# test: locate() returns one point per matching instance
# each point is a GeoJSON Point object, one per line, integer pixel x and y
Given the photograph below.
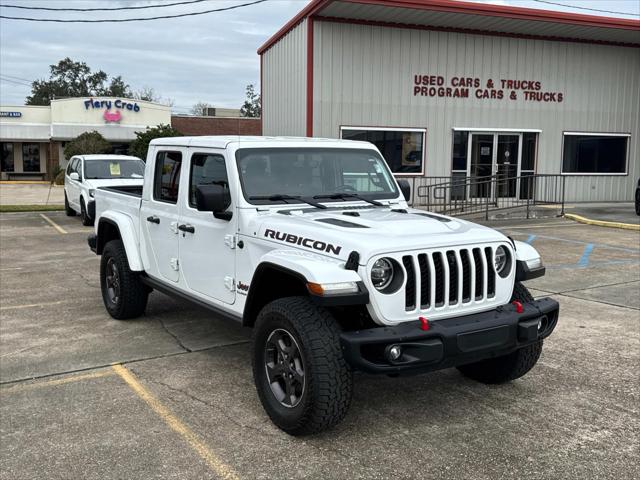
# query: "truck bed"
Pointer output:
{"type": "Point", "coordinates": [125, 200]}
{"type": "Point", "coordinates": [133, 190]}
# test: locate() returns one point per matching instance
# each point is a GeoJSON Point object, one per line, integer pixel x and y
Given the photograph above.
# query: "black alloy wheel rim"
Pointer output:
{"type": "Point", "coordinates": [112, 278]}
{"type": "Point", "coordinates": [285, 368]}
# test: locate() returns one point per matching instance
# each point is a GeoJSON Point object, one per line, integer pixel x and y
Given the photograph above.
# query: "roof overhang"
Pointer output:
{"type": "Point", "coordinates": [473, 18]}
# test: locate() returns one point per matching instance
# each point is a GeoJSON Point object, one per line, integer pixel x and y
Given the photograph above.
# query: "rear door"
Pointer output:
{"type": "Point", "coordinates": [207, 244]}
{"type": "Point", "coordinates": [73, 186]}
{"type": "Point", "coordinates": [160, 213]}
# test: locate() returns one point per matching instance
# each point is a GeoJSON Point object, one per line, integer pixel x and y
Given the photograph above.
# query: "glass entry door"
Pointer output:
{"type": "Point", "coordinates": [481, 165]}
{"type": "Point", "coordinates": [494, 155]}
{"type": "Point", "coordinates": [507, 165]}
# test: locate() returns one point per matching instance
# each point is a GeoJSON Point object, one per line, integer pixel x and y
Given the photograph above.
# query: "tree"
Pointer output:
{"type": "Point", "coordinates": [200, 108]}
{"type": "Point", "coordinates": [252, 106]}
{"type": "Point", "coordinates": [140, 145]}
{"type": "Point", "coordinates": [86, 144]}
{"type": "Point", "coordinates": [75, 79]}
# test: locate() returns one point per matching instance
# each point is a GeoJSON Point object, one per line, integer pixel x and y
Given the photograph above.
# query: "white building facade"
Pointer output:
{"type": "Point", "coordinates": [32, 138]}
{"type": "Point", "coordinates": [464, 90]}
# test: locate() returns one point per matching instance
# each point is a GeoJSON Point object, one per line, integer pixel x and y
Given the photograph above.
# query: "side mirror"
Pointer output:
{"type": "Point", "coordinates": [214, 198]}
{"type": "Point", "coordinates": [74, 176]}
{"type": "Point", "coordinates": [405, 188]}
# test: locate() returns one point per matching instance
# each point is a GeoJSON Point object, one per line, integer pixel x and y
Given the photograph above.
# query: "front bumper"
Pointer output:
{"type": "Point", "coordinates": [450, 342]}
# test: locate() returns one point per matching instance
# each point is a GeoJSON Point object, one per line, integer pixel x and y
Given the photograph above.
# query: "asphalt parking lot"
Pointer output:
{"type": "Point", "coordinates": [180, 401]}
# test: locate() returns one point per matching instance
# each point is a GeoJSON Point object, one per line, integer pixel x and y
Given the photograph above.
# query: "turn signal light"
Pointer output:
{"type": "Point", "coordinates": [325, 289]}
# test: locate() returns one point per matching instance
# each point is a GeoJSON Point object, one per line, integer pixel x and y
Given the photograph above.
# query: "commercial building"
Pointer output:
{"type": "Point", "coordinates": [463, 90]}
{"type": "Point", "coordinates": [33, 137]}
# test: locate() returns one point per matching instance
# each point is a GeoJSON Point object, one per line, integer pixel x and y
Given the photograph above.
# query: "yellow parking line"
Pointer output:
{"type": "Point", "coordinates": [54, 224]}
{"type": "Point", "coordinates": [602, 223]}
{"type": "Point", "coordinates": [211, 459]}
{"type": "Point", "coordinates": [31, 305]}
{"type": "Point", "coordinates": [58, 381]}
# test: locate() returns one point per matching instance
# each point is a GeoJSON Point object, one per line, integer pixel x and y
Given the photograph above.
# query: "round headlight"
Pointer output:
{"type": "Point", "coordinates": [500, 259]}
{"type": "Point", "coordinates": [382, 273]}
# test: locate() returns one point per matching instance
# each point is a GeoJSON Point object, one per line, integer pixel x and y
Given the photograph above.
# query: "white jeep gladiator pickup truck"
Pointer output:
{"type": "Point", "coordinates": [311, 243]}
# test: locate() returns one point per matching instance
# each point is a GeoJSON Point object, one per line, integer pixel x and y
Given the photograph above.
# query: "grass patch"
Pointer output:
{"type": "Point", "coordinates": [31, 208]}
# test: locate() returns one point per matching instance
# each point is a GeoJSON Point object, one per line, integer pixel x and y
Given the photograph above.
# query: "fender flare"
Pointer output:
{"type": "Point", "coordinates": [303, 267]}
{"type": "Point", "coordinates": [528, 262]}
{"type": "Point", "coordinates": [125, 226]}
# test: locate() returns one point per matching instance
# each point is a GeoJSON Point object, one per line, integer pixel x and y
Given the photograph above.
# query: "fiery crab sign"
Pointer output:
{"type": "Point", "coordinates": [474, 87]}
{"type": "Point", "coordinates": [111, 116]}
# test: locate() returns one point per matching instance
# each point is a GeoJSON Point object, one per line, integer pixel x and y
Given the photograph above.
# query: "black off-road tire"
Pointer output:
{"type": "Point", "coordinates": [87, 221]}
{"type": "Point", "coordinates": [638, 202]}
{"type": "Point", "coordinates": [508, 367]}
{"type": "Point", "coordinates": [328, 386]}
{"type": "Point", "coordinates": [132, 295]}
{"type": "Point", "coordinates": [67, 208]}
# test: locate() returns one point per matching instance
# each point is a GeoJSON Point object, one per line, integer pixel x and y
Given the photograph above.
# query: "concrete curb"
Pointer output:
{"type": "Point", "coordinates": [602, 223]}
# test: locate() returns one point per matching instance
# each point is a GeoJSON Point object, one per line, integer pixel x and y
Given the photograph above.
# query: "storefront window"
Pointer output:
{"type": "Point", "coordinates": [403, 149]}
{"type": "Point", "coordinates": [30, 157]}
{"type": "Point", "coordinates": [6, 161]}
{"type": "Point", "coordinates": [595, 154]}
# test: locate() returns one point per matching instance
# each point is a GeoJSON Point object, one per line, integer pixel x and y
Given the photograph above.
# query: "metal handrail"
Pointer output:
{"type": "Point", "coordinates": [465, 195]}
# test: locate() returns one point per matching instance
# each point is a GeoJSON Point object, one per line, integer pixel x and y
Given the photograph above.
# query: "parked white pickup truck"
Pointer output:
{"type": "Point", "coordinates": [86, 173]}
{"type": "Point", "coordinates": [311, 243]}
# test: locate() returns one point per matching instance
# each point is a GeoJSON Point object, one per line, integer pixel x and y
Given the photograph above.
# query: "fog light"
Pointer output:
{"type": "Point", "coordinates": [395, 352]}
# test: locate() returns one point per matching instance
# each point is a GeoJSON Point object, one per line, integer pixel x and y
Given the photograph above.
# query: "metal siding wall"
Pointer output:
{"type": "Point", "coordinates": [284, 84]}
{"type": "Point", "coordinates": [363, 75]}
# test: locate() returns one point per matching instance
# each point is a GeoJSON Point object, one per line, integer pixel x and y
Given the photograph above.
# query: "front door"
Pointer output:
{"type": "Point", "coordinates": [207, 243]}
{"type": "Point", "coordinates": [507, 165]}
{"type": "Point", "coordinates": [160, 214]}
{"type": "Point", "coordinates": [494, 165]}
{"type": "Point", "coordinates": [481, 165]}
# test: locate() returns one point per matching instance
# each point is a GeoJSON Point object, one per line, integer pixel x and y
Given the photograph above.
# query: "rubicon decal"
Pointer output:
{"type": "Point", "coordinates": [305, 242]}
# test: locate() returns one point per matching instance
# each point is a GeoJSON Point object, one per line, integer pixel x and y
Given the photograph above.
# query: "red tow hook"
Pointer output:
{"type": "Point", "coordinates": [424, 324]}
{"type": "Point", "coordinates": [519, 307]}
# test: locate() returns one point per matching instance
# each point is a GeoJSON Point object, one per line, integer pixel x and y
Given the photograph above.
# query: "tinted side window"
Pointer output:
{"type": "Point", "coordinates": [167, 176]}
{"type": "Point", "coordinates": [206, 169]}
{"type": "Point", "coordinates": [70, 166]}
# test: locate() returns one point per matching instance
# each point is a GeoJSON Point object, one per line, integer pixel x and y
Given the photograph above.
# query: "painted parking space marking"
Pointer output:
{"type": "Point", "coordinates": [220, 468]}
{"type": "Point", "coordinates": [21, 387]}
{"type": "Point", "coordinates": [30, 305]}
{"type": "Point", "coordinates": [530, 239]}
{"type": "Point", "coordinates": [54, 224]}
{"type": "Point", "coordinates": [584, 259]}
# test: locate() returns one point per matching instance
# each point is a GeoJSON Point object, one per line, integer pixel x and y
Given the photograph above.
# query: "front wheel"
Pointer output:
{"type": "Point", "coordinates": [124, 295]}
{"type": "Point", "coordinates": [302, 379]}
{"type": "Point", "coordinates": [87, 221]}
{"type": "Point", "coordinates": [67, 208]}
{"type": "Point", "coordinates": [508, 367]}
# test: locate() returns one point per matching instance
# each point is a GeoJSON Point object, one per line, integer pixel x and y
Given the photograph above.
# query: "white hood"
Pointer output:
{"type": "Point", "coordinates": [369, 231]}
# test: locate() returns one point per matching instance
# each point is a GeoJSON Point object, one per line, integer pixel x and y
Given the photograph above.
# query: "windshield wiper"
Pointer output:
{"type": "Point", "coordinates": [344, 196]}
{"type": "Point", "coordinates": [284, 198]}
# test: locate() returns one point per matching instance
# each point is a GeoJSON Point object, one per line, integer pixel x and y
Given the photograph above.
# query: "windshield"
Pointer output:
{"type": "Point", "coordinates": [107, 169]}
{"type": "Point", "coordinates": [313, 172]}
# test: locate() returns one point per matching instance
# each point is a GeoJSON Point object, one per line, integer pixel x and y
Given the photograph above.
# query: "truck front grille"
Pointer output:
{"type": "Point", "coordinates": [449, 278]}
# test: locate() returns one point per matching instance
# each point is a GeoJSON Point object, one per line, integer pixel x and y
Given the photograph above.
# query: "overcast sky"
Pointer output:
{"type": "Point", "coordinates": [208, 58]}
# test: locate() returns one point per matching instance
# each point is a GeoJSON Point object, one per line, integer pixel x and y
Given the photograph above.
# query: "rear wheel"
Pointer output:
{"type": "Point", "coordinates": [508, 367]}
{"type": "Point", "coordinates": [124, 295]}
{"type": "Point", "coordinates": [67, 208]}
{"type": "Point", "coordinates": [302, 379]}
{"type": "Point", "coordinates": [87, 221]}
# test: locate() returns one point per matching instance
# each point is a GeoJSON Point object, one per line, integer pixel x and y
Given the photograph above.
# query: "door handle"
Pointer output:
{"type": "Point", "coordinates": [153, 219]}
{"type": "Point", "coordinates": [187, 228]}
